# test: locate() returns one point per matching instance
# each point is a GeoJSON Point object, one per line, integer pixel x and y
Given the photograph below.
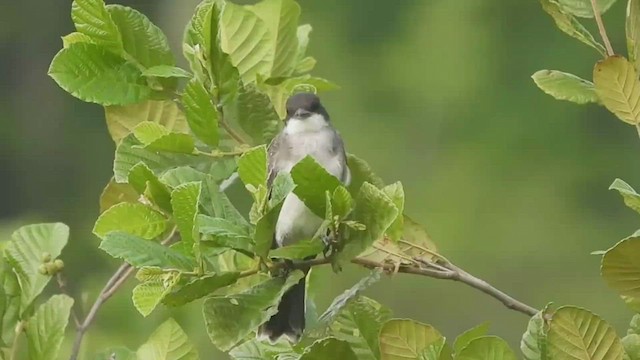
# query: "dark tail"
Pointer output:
{"type": "Point", "coordinates": [289, 320]}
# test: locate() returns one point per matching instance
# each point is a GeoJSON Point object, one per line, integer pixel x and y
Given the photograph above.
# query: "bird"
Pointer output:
{"type": "Point", "coordinates": [307, 131]}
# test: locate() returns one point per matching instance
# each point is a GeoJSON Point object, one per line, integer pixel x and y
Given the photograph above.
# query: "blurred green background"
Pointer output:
{"type": "Point", "coordinates": [511, 184]}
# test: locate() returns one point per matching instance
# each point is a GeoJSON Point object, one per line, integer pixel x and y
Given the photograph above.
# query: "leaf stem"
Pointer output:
{"type": "Point", "coordinates": [219, 154]}
{"type": "Point", "coordinates": [603, 31]}
{"type": "Point", "coordinates": [16, 341]}
{"type": "Point", "coordinates": [225, 125]}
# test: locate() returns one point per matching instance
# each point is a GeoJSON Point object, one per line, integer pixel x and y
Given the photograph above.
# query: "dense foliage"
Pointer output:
{"type": "Point", "coordinates": [182, 136]}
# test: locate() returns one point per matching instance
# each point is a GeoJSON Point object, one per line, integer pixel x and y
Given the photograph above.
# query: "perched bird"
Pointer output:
{"type": "Point", "coordinates": [307, 131]}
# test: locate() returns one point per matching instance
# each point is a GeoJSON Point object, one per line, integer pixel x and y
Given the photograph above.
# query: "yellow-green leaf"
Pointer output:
{"type": "Point", "coordinates": [565, 86]}
{"type": "Point", "coordinates": [568, 24]}
{"type": "Point", "coordinates": [132, 218]}
{"type": "Point", "coordinates": [621, 268]}
{"type": "Point", "coordinates": [618, 87]}
{"type": "Point", "coordinates": [121, 120]}
{"type": "Point", "coordinates": [402, 339]}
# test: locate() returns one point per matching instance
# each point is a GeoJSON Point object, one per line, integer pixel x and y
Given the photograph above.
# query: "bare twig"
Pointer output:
{"type": "Point", "coordinates": [62, 284]}
{"type": "Point", "coordinates": [603, 31]}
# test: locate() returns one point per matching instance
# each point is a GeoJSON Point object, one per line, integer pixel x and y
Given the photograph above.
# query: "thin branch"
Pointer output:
{"type": "Point", "coordinates": [225, 125]}
{"type": "Point", "coordinates": [62, 284]}
{"type": "Point", "coordinates": [603, 31]}
{"type": "Point", "coordinates": [447, 271]}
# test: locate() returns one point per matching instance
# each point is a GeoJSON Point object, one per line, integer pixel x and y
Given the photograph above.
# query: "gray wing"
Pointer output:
{"type": "Point", "coordinates": [338, 147]}
{"type": "Point", "coordinates": [272, 165]}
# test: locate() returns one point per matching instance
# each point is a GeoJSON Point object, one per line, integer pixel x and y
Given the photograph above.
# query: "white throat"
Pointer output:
{"type": "Point", "coordinates": [313, 123]}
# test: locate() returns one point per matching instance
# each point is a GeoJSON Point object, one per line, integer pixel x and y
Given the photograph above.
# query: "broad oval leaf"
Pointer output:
{"type": "Point", "coordinates": [168, 342]}
{"type": "Point", "coordinates": [146, 183]}
{"type": "Point", "coordinates": [252, 167]}
{"type": "Point", "coordinates": [93, 74]}
{"type": "Point", "coordinates": [147, 295]}
{"type": "Point", "coordinates": [299, 250]}
{"type": "Point", "coordinates": [45, 331]}
{"type": "Point", "coordinates": [258, 350]}
{"type": "Point", "coordinates": [565, 86]}
{"type": "Point", "coordinates": [621, 269]}
{"type": "Point", "coordinates": [402, 339]}
{"type": "Point", "coordinates": [201, 112]}
{"type": "Point", "coordinates": [132, 218]}
{"type": "Point", "coordinates": [140, 252]}
{"type": "Point", "coordinates": [534, 341]}
{"type": "Point", "coordinates": [247, 40]}
{"type": "Point", "coordinates": [629, 195]}
{"type": "Point", "coordinates": [281, 18]}
{"type": "Point", "coordinates": [568, 24]}
{"type": "Point", "coordinates": [487, 348]}
{"type": "Point", "coordinates": [618, 87]}
{"type": "Point", "coordinates": [231, 318]}
{"type": "Point", "coordinates": [583, 8]}
{"type": "Point", "coordinates": [329, 348]}
{"type": "Point", "coordinates": [631, 344]}
{"type": "Point", "coordinates": [577, 334]}
{"type": "Point", "coordinates": [466, 337]}
{"type": "Point", "coordinates": [25, 251]}
{"type": "Point", "coordinates": [121, 120]}
{"type": "Point", "coordinates": [115, 193]}
{"type": "Point", "coordinates": [75, 37]}
{"type": "Point", "coordinates": [199, 287]}
{"type": "Point", "coordinates": [361, 172]}
{"type": "Point", "coordinates": [256, 115]}
{"type": "Point", "coordinates": [184, 200]}
{"type": "Point", "coordinates": [166, 71]}
{"type": "Point", "coordinates": [359, 324]}
{"type": "Point", "coordinates": [92, 19]}
{"type": "Point", "coordinates": [312, 181]}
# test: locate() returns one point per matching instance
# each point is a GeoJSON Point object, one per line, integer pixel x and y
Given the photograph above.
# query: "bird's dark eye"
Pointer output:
{"type": "Point", "coordinates": [314, 106]}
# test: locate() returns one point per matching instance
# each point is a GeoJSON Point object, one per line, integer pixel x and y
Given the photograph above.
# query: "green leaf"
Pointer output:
{"type": "Point", "coordinates": [129, 153]}
{"type": "Point", "coordinates": [222, 227]}
{"type": "Point", "coordinates": [247, 40]}
{"type": "Point", "coordinates": [142, 40]}
{"type": "Point", "coordinates": [341, 301]}
{"type": "Point", "coordinates": [201, 112]}
{"type": "Point", "coordinates": [281, 17]}
{"type": "Point", "coordinates": [329, 348]}
{"type": "Point", "coordinates": [168, 342]}
{"type": "Point", "coordinates": [534, 341]}
{"type": "Point", "coordinates": [361, 172]}
{"type": "Point", "coordinates": [395, 192]}
{"type": "Point", "coordinates": [632, 27]}
{"type": "Point", "coordinates": [487, 348]}
{"type": "Point", "coordinates": [146, 183]}
{"type": "Point", "coordinates": [620, 268]}
{"type": "Point", "coordinates": [258, 350]}
{"type": "Point", "coordinates": [299, 250]}
{"type": "Point", "coordinates": [166, 71]}
{"type": "Point", "coordinates": [252, 167]}
{"type": "Point", "coordinates": [25, 252]}
{"type": "Point", "coordinates": [115, 193]}
{"type": "Point", "coordinates": [583, 8]}
{"type": "Point", "coordinates": [312, 181]}
{"type": "Point", "coordinates": [402, 339]}
{"type": "Point", "coordinates": [565, 86]}
{"type": "Point", "coordinates": [281, 187]}
{"type": "Point", "coordinates": [438, 350]}
{"type": "Point", "coordinates": [199, 287]}
{"type": "Point", "coordinates": [10, 294]}
{"type": "Point", "coordinates": [618, 87]}
{"type": "Point", "coordinates": [359, 324]}
{"type": "Point", "coordinates": [93, 74]}
{"type": "Point", "coordinates": [631, 344]}
{"type": "Point", "coordinates": [75, 37]}
{"type": "Point", "coordinates": [140, 252]}
{"type": "Point", "coordinates": [265, 229]}
{"type": "Point", "coordinates": [147, 295]}
{"type": "Point", "coordinates": [374, 210]}
{"type": "Point", "coordinates": [223, 208]}
{"type": "Point", "coordinates": [570, 25]}
{"type": "Point", "coordinates": [45, 330]}
{"type": "Point", "coordinates": [578, 334]}
{"type": "Point", "coordinates": [121, 120]}
{"type": "Point", "coordinates": [341, 202]}
{"type": "Point", "coordinates": [634, 325]}
{"type": "Point", "coordinates": [629, 195]}
{"type": "Point", "coordinates": [173, 142]}
{"type": "Point", "coordinates": [131, 218]}
{"type": "Point", "coordinates": [256, 115]}
{"type": "Point", "coordinates": [229, 319]}
{"type": "Point", "coordinates": [118, 353]}
{"type": "Point", "coordinates": [147, 132]}
{"type": "Point", "coordinates": [415, 240]}
{"type": "Point", "coordinates": [92, 19]}
{"type": "Point", "coordinates": [466, 337]}
{"type": "Point", "coordinates": [224, 75]}
{"type": "Point", "coordinates": [303, 63]}
{"type": "Point", "coordinates": [184, 200]}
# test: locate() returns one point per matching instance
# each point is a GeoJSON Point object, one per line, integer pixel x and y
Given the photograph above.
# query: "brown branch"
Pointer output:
{"type": "Point", "coordinates": [113, 284]}
{"type": "Point", "coordinates": [603, 31]}
{"type": "Point", "coordinates": [444, 270]}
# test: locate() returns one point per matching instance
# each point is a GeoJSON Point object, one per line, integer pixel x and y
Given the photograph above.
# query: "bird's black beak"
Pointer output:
{"type": "Point", "coordinates": [302, 113]}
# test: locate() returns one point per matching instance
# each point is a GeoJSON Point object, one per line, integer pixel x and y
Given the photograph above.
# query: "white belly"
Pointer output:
{"type": "Point", "coordinates": [296, 222]}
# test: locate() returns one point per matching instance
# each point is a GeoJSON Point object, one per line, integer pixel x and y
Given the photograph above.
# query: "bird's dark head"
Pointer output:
{"type": "Point", "coordinates": [303, 106]}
